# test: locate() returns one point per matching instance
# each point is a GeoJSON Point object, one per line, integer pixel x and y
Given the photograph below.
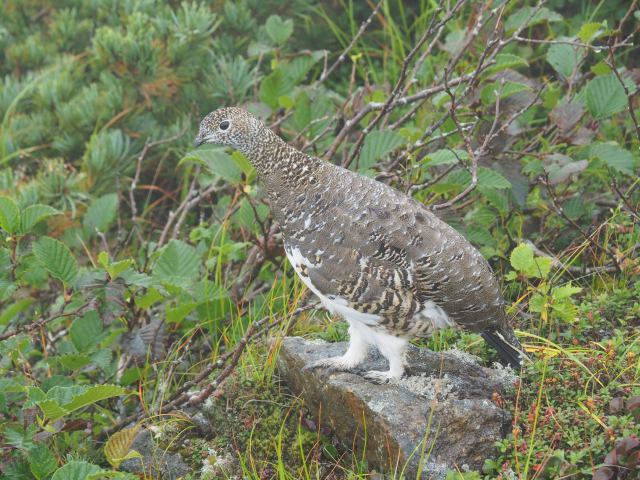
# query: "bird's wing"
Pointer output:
{"type": "Point", "coordinates": [385, 254]}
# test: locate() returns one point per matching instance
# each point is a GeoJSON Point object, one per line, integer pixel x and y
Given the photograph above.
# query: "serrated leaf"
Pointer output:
{"type": "Point", "coordinates": [490, 92]}
{"type": "Point", "coordinates": [376, 145]}
{"type": "Point", "coordinates": [34, 214]}
{"type": "Point", "coordinates": [522, 258]}
{"type": "Point", "coordinates": [74, 361]}
{"type": "Point", "coordinates": [565, 291]}
{"type": "Point", "coordinates": [114, 269]}
{"type": "Point", "coordinates": [177, 314]}
{"type": "Point", "coordinates": [9, 215]}
{"type": "Point", "coordinates": [518, 18]}
{"type": "Point", "coordinates": [523, 261]}
{"type": "Point", "coordinates": [101, 214]}
{"type": "Point", "coordinates": [479, 235]}
{"type": "Point", "coordinates": [56, 258]}
{"type": "Point", "coordinates": [217, 161]}
{"type": "Point", "coordinates": [491, 179]}
{"type": "Point", "coordinates": [149, 298]}
{"type": "Point", "coordinates": [297, 69]}
{"type": "Point", "coordinates": [86, 331]}
{"type": "Point", "coordinates": [76, 470]}
{"type": "Point", "coordinates": [178, 263]}
{"type": "Point", "coordinates": [61, 401]}
{"type": "Point", "coordinates": [118, 445]}
{"type": "Point", "coordinates": [41, 461]}
{"type": "Point", "coordinates": [117, 268]}
{"type": "Point", "coordinates": [615, 157]}
{"type": "Point", "coordinates": [590, 31]}
{"type": "Point", "coordinates": [506, 61]}
{"type": "Point", "coordinates": [94, 394]}
{"type": "Point", "coordinates": [14, 309]}
{"type": "Point", "coordinates": [278, 30]}
{"type": "Point", "coordinates": [565, 58]}
{"type": "Point", "coordinates": [445, 156]}
{"type": "Point", "coordinates": [605, 96]}
{"type": "Point", "coordinates": [52, 409]}
{"type": "Point", "coordinates": [274, 86]}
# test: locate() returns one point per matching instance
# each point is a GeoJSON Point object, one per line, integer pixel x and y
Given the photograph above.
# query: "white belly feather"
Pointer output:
{"type": "Point", "coordinates": [335, 305]}
{"type": "Point", "coordinates": [431, 312]}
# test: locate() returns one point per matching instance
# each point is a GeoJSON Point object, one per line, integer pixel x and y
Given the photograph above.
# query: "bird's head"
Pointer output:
{"type": "Point", "coordinates": [232, 127]}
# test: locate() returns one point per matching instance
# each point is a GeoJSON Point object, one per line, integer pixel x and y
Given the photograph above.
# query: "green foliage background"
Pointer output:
{"type": "Point", "coordinates": [129, 261]}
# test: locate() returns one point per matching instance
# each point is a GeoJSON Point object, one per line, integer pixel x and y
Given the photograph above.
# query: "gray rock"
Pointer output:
{"type": "Point", "coordinates": [446, 400]}
{"type": "Point", "coordinates": [155, 461]}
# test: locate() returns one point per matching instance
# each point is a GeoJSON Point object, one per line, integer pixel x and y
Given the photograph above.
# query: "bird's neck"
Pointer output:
{"type": "Point", "coordinates": [279, 165]}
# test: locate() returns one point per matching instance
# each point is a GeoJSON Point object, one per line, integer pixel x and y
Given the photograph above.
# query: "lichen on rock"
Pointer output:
{"type": "Point", "coordinates": [438, 418]}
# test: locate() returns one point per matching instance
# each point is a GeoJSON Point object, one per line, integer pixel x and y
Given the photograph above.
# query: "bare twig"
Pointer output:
{"type": "Point", "coordinates": [588, 237]}
{"type": "Point", "coordinates": [42, 322]}
{"type": "Point", "coordinates": [343, 55]}
{"type": "Point", "coordinates": [136, 178]}
{"type": "Point", "coordinates": [182, 397]}
{"type": "Point", "coordinates": [385, 110]}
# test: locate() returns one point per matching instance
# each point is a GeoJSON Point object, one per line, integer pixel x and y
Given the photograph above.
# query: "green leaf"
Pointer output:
{"type": "Point", "coordinates": [605, 96]}
{"type": "Point", "coordinates": [590, 31]}
{"type": "Point", "coordinates": [523, 261]}
{"type": "Point", "coordinates": [378, 144]}
{"type": "Point", "coordinates": [537, 303]}
{"type": "Point", "coordinates": [522, 258]}
{"type": "Point", "coordinates": [278, 30]}
{"type": "Point", "coordinates": [9, 215]}
{"type": "Point", "coordinates": [56, 258]}
{"type": "Point", "coordinates": [178, 263]}
{"type": "Point", "coordinates": [490, 92]}
{"type": "Point", "coordinates": [506, 61]}
{"type": "Point", "coordinates": [101, 214]}
{"type": "Point", "coordinates": [615, 157]}
{"type": "Point", "coordinates": [445, 156]}
{"type": "Point", "coordinates": [564, 291]}
{"type": "Point", "coordinates": [51, 409]}
{"type": "Point", "coordinates": [86, 331]}
{"type": "Point", "coordinates": [76, 470]}
{"type": "Point", "coordinates": [34, 214]}
{"type": "Point", "coordinates": [177, 314]}
{"type": "Point", "coordinates": [74, 361]}
{"type": "Point", "coordinates": [14, 309]}
{"type": "Point", "coordinates": [297, 69]}
{"type": "Point", "coordinates": [218, 162]}
{"type": "Point", "coordinates": [491, 179]}
{"type": "Point", "coordinates": [274, 86]}
{"type": "Point", "coordinates": [565, 58]}
{"type": "Point", "coordinates": [518, 18]}
{"type": "Point", "coordinates": [94, 394]}
{"type": "Point", "coordinates": [114, 269]}
{"type": "Point", "coordinates": [41, 461]}
{"type": "Point", "coordinates": [62, 401]}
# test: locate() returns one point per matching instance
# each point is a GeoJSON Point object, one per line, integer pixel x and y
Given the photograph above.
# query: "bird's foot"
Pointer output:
{"type": "Point", "coordinates": [379, 377]}
{"type": "Point", "coordinates": [331, 364]}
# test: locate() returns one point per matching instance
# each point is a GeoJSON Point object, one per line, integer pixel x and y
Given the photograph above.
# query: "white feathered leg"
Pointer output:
{"type": "Point", "coordinates": [354, 356]}
{"type": "Point", "coordinates": [393, 349]}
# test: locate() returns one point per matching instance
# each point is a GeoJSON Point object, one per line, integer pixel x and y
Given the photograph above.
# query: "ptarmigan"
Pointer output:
{"type": "Point", "coordinates": [372, 254]}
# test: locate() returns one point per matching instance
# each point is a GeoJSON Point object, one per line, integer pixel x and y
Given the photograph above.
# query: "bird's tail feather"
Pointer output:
{"type": "Point", "coordinates": [507, 345]}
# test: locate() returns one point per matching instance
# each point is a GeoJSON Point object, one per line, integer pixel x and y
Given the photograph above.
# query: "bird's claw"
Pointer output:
{"type": "Point", "coordinates": [378, 377]}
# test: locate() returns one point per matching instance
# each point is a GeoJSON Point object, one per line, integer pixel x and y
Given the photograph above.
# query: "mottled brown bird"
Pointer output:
{"type": "Point", "coordinates": [372, 254]}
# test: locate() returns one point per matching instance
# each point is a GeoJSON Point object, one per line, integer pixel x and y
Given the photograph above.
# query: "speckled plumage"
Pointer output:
{"type": "Point", "coordinates": [371, 253]}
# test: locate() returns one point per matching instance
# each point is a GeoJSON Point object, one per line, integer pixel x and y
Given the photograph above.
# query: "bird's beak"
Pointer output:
{"type": "Point", "coordinates": [198, 141]}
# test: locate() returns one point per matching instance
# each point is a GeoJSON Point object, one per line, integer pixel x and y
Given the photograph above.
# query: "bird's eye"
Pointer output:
{"type": "Point", "coordinates": [224, 125]}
